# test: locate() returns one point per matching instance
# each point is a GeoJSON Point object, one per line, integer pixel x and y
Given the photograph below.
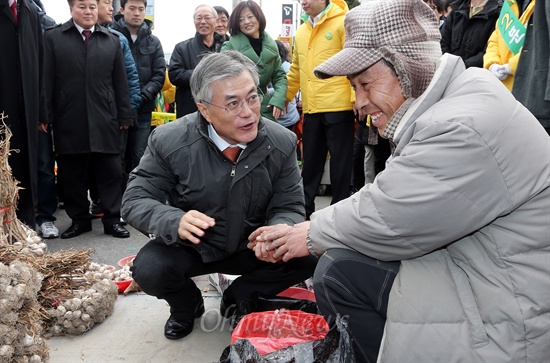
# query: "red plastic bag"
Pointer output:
{"type": "Point", "coordinates": [298, 293]}
{"type": "Point", "coordinates": [269, 331]}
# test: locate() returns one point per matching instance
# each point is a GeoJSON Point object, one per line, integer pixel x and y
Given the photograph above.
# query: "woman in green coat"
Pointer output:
{"type": "Point", "coordinates": [248, 36]}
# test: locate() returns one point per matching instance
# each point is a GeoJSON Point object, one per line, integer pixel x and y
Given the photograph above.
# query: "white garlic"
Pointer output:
{"type": "Point", "coordinates": [76, 303]}
{"type": "Point", "coordinates": [6, 351]}
{"type": "Point", "coordinates": [68, 315]}
{"type": "Point", "coordinates": [77, 314]}
{"type": "Point", "coordinates": [28, 340]}
{"type": "Point", "coordinates": [38, 252]}
{"type": "Point", "coordinates": [20, 289]}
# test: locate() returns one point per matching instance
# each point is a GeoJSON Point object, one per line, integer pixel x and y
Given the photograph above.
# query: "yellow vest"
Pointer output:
{"type": "Point", "coordinates": [498, 52]}
{"type": "Point", "coordinates": [313, 46]}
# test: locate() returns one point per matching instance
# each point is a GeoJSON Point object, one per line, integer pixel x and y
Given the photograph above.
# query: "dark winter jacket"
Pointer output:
{"type": "Point", "coordinates": [185, 57]}
{"type": "Point", "coordinates": [45, 20]}
{"type": "Point", "coordinates": [86, 90]}
{"type": "Point", "coordinates": [183, 166]}
{"type": "Point", "coordinates": [532, 81]}
{"type": "Point", "coordinates": [467, 37]}
{"type": "Point", "coordinates": [29, 58]}
{"type": "Point", "coordinates": [131, 70]}
{"type": "Point", "coordinates": [149, 58]}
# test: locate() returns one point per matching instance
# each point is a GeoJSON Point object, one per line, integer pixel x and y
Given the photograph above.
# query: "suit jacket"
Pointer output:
{"type": "Point", "coordinates": [87, 90]}
{"type": "Point", "coordinates": [22, 91]}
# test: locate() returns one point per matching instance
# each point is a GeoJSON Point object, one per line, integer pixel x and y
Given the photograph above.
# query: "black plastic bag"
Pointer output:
{"type": "Point", "coordinates": [336, 347]}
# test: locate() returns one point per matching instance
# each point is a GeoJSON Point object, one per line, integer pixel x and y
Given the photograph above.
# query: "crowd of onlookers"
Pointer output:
{"type": "Point", "coordinates": [289, 91]}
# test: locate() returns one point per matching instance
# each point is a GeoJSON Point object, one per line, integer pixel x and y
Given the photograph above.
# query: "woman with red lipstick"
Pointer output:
{"type": "Point", "coordinates": [248, 36]}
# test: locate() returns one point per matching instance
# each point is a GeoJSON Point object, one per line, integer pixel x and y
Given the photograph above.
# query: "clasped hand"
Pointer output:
{"type": "Point", "coordinates": [192, 224]}
{"type": "Point", "coordinates": [269, 243]}
{"type": "Point", "coordinates": [279, 242]}
{"type": "Point", "coordinates": [500, 71]}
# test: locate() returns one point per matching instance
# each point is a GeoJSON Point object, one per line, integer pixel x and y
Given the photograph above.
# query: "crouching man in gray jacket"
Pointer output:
{"type": "Point", "coordinates": [225, 173]}
{"type": "Point", "coordinates": [445, 256]}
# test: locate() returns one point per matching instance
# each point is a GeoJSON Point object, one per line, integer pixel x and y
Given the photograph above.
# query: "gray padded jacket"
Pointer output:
{"type": "Point", "coordinates": [465, 205]}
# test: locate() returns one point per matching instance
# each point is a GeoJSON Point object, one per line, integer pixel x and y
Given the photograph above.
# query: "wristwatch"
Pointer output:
{"type": "Point", "coordinates": [309, 245]}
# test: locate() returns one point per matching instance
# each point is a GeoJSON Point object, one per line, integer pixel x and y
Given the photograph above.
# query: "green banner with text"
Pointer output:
{"type": "Point", "coordinates": [511, 29]}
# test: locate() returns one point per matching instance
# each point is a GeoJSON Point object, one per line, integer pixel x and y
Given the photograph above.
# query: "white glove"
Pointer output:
{"type": "Point", "coordinates": [500, 71]}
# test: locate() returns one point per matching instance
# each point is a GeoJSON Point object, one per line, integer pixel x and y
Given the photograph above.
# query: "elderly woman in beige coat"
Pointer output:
{"type": "Point", "coordinates": [445, 257]}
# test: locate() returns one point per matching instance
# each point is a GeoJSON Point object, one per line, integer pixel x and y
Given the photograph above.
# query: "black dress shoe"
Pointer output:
{"type": "Point", "coordinates": [75, 230]}
{"type": "Point", "coordinates": [117, 230]}
{"type": "Point", "coordinates": [228, 307]}
{"type": "Point", "coordinates": [179, 328]}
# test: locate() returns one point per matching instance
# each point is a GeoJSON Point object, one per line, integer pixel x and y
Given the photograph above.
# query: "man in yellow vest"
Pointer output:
{"type": "Point", "coordinates": [327, 104]}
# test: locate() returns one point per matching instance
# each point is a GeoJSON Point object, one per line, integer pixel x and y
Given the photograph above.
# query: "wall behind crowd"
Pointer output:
{"type": "Point", "coordinates": [173, 18]}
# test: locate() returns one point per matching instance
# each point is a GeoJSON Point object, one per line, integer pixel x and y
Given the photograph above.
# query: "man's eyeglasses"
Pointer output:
{"type": "Point", "coordinates": [233, 108]}
{"type": "Point", "coordinates": [199, 19]}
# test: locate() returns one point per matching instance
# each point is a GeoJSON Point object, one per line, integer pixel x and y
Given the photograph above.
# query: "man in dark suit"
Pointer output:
{"type": "Point", "coordinates": [88, 104]}
{"type": "Point", "coordinates": [22, 95]}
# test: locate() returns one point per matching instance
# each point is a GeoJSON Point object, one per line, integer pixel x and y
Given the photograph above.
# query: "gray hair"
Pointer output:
{"type": "Point", "coordinates": [217, 66]}
{"type": "Point", "coordinates": [214, 12]}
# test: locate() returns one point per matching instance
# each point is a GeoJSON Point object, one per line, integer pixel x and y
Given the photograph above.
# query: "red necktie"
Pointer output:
{"type": "Point", "coordinates": [86, 34]}
{"type": "Point", "coordinates": [14, 10]}
{"type": "Point", "coordinates": [232, 153]}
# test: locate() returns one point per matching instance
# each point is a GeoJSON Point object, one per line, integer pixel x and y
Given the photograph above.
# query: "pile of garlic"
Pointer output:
{"type": "Point", "coordinates": [31, 245]}
{"type": "Point", "coordinates": [123, 274]}
{"type": "Point", "coordinates": [88, 307]}
{"type": "Point", "coordinates": [99, 271]}
{"type": "Point", "coordinates": [20, 326]}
